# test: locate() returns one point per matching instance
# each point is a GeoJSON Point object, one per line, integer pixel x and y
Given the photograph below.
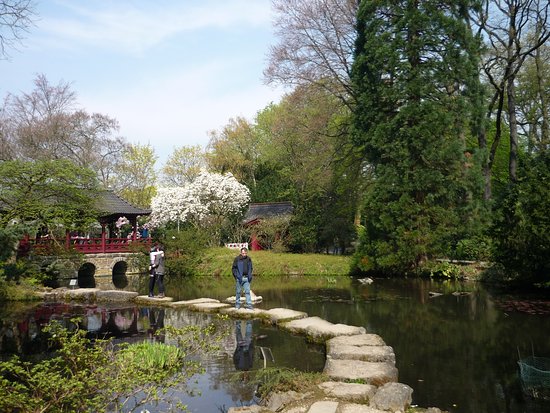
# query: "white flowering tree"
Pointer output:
{"type": "Point", "coordinates": [207, 201]}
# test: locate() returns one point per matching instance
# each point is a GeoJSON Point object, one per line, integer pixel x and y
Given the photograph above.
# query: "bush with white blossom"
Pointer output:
{"type": "Point", "coordinates": [210, 197]}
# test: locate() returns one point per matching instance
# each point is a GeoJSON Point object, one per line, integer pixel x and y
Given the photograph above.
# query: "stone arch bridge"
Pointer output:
{"type": "Point", "coordinates": [119, 270]}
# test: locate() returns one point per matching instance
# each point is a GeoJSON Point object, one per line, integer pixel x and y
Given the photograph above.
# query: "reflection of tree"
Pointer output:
{"type": "Point", "coordinates": [436, 330]}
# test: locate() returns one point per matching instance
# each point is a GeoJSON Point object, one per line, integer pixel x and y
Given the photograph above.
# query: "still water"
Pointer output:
{"type": "Point", "coordinates": [458, 350]}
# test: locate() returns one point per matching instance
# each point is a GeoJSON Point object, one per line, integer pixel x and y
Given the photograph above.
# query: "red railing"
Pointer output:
{"type": "Point", "coordinates": [91, 245]}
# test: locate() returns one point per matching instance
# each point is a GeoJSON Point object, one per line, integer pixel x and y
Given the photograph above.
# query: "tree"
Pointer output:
{"type": "Point", "coordinates": [521, 228]}
{"type": "Point", "coordinates": [208, 202]}
{"type": "Point", "coordinates": [533, 97]}
{"type": "Point", "coordinates": [415, 76]}
{"type": "Point", "coordinates": [16, 17]}
{"type": "Point", "coordinates": [515, 29]}
{"type": "Point", "coordinates": [316, 43]}
{"type": "Point", "coordinates": [235, 148]}
{"type": "Point", "coordinates": [183, 165]}
{"type": "Point", "coordinates": [135, 175]}
{"type": "Point", "coordinates": [45, 194]}
{"type": "Point", "coordinates": [46, 124]}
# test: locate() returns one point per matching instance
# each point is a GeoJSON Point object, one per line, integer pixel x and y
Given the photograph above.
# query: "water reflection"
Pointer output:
{"type": "Point", "coordinates": [227, 380]}
{"type": "Point", "coordinates": [243, 357]}
{"type": "Point", "coordinates": [458, 352]}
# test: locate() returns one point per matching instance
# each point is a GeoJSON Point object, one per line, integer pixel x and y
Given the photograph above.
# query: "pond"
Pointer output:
{"type": "Point", "coordinates": [457, 350]}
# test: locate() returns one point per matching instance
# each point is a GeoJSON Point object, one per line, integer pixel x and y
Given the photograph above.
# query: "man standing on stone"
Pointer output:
{"type": "Point", "coordinates": [242, 271]}
{"type": "Point", "coordinates": [157, 271]}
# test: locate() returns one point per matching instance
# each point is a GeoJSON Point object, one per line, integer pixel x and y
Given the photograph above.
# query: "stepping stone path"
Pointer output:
{"type": "Point", "coordinates": [360, 365]}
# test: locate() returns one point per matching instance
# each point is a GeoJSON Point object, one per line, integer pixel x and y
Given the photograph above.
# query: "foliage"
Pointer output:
{"type": "Point", "coordinates": [272, 233]}
{"type": "Point", "coordinates": [521, 228]}
{"type": "Point", "coordinates": [84, 375]}
{"type": "Point", "coordinates": [235, 149]}
{"type": "Point", "coordinates": [410, 122]}
{"type": "Point", "coordinates": [444, 270]}
{"type": "Point", "coordinates": [8, 239]}
{"type": "Point", "coordinates": [185, 250]}
{"type": "Point", "coordinates": [45, 196]}
{"type": "Point", "coordinates": [22, 290]}
{"type": "Point", "coordinates": [273, 380]}
{"type": "Point", "coordinates": [135, 177]}
{"type": "Point", "coordinates": [475, 248]}
{"type": "Point", "coordinates": [183, 165]}
{"type": "Point", "coordinates": [208, 202]}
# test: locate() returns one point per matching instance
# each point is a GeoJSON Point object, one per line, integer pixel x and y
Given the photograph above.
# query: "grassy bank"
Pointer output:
{"type": "Point", "coordinates": [218, 261]}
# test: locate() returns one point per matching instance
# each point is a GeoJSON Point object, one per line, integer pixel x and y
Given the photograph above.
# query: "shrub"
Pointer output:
{"type": "Point", "coordinates": [477, 249]}
{"type": "Point", "coordinates": [521, 228]}
{"type": "Point", "coordinates": [185, 248]}
{"type": "Point", "coordinates": [84, 375]}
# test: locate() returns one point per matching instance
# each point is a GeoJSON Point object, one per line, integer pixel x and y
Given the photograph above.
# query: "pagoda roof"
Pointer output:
{"type": "Point", "coordinates": [267, 210]}
{"type": "Point", "coordinates": [109, 204]}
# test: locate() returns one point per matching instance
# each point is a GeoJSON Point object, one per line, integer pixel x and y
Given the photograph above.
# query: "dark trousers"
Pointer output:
{"type": "Point", "coordinates": [159, 279]}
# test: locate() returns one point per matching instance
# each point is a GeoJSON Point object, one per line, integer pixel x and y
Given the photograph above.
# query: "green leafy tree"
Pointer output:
{"type": "Point", "coordinates": [533, 100]}
{"type": "Point", "coordinates": [235, 149]}
{"type": "Point", "coordinates": [416, 80]}
{"type": "Point", "coordinates": [521, 227]}
{"type": "Point", "coordinates": [136, 177]}
{"type": "Point", "coordinates": [307, 159]}
{"type": "Point", "coordinates": [45, 194]}
{"type": "Point", "coordinates": [183, 165]}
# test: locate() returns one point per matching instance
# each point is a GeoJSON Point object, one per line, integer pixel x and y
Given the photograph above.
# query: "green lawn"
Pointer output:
{"type": "Point", "coordinates": [218, 261]}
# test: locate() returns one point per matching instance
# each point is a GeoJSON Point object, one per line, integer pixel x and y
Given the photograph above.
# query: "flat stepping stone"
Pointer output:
{"type": "Point", "coordinates": [145, 299]}
{"type": "Point", "coordinates": [358, 408]}
{"type": "Point", "coordinates": [376, 373]}
{"type": "Point", "coordinates": [358, 340]}
{"type": "Point", "coordinates": [253, 297]}
{"type": "Point", "coordinates": [351, 392]}
{"type": "Point", "coordinates": [209, 307]}
{"type": "Point", "coordinates": [279, 315]}
{"type": "Point", "coordinates": [366, 347]}
{"type": "Point", "coordinates": [243, 312]}
{"type": "Point", "coordinates": [324, 406]}
{"type": "Point", "coordinates": [319, 329]}
{"type": "Point", "coordinates": [116, 295]}
{"type": "Point", "coordinates": [365, 353]}
{"type": "Point", "coordinates": [189, 303]}
{"type": "Point", "coordinates": [77, 294]}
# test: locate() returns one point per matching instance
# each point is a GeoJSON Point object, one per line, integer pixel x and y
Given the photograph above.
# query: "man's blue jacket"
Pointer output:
{"type": "Point", "coordinates": [239, 264]}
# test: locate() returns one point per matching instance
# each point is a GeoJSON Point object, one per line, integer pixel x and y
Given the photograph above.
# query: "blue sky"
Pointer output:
{"type": "Point", "coordinates": [169, 71]}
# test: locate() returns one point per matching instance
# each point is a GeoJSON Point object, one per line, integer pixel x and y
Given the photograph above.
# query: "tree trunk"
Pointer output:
{"type": "Point", "coordinates": [512, 165]}
{"type": "Point", "coordinates": [545, 127]}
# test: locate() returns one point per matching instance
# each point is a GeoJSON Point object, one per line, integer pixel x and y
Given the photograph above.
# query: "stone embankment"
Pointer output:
{"type": "Point", "coordinates": [360, 366]}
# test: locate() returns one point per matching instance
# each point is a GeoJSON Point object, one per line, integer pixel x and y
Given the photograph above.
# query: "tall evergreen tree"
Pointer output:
{"type": "Point", "coordinates": [415, 75]}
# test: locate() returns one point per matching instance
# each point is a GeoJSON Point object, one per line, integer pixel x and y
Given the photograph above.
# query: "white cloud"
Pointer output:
{"type": "Point", "coordinates": [180, 109]}
{"type": "Point", "coordinates": [134, 27]}
{"type": "Point", "coordinates": [169, 71]}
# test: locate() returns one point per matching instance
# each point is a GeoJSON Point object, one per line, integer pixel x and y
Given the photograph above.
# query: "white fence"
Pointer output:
{"type": "Point", "coordinates": [237, 245]}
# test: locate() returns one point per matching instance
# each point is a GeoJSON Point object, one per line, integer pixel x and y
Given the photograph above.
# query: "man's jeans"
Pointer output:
{"type": "Point", "coordinates": [245, 285]}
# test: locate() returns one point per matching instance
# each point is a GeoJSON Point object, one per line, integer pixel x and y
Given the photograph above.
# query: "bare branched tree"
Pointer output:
{"type": "Point", "coordinates": [316, 45]}
{"type": "Point", "coordinates": [515, 30]}
{"type": "Point", "coordinates": [16, 17]}
{"type": "Point", "coordinates": [47, 124]}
